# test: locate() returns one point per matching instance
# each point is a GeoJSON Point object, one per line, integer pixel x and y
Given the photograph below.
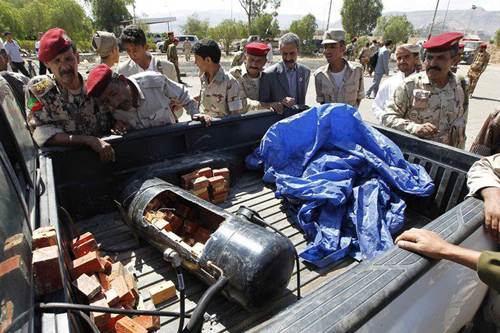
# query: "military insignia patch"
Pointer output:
{"type": "Point", "coordinates": [34, 104]}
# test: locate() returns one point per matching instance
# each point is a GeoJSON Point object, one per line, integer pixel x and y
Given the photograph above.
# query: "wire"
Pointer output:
{"type": "Point", "coordinates": [182, 296]}
{"type": "Point", "coordinates": [46, 307]}
{"type": "Point", "coordinates": [89, 322]}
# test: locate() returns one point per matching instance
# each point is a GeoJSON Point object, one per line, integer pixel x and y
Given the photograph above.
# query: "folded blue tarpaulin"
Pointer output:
{"type": "Point", "coordinates": [347, 178]}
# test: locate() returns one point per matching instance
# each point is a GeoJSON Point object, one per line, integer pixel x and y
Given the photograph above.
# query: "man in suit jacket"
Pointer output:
{"type": "Point", "coordinates": [286, 81]}
{"type": "Point", "coordinates": [381, 69]}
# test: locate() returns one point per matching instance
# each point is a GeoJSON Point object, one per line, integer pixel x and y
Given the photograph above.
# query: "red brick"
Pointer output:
{"type": "Point", "coordinates": [100, 318]}
{"type": "Point", "coordinates": [206, 172]}
{"type": "Point", "coordinates": [112, 297]}
{"type": "Point", "coordinates": [202, 235]}
{"type": "Point", "coordinates": [200, 191]}
{"type": "Point", "coordinates": [222, 172]}
{"type": "Point", "coordinates": [160, 224]}
{"type": "Point", "coordinates": [104, 281]}
{"type": "Point", "coordinates": [88, 264]}
{"type": "Point", "coordinates": [117, 269]}
{"type": "Point", "coordinates": [190, 227]}
{"type": "Point", "coordinates": [216, 180]}
{"type": "Point", "coordinates": [220, 198]}
{"type": "Point", "coordinates": [182, 210]}
{"type": "Point", "coordinates": [43, 237]}
{"type": "Point", "coordinates": [112, 322]}
{"type": "Point", "coordinates": [200, 182]}
{"type": "Point", "coordinates": [219, 190]}
{"type": "Point", "coordinates": [87, 286]}
{"type": "Point", "coordinates": [46, 269]}
{"type": "Point", "coordinates": [82, 239]}
{"type": "Point", "coordinates": [162, 292]}
{"type": "Point", "coordinates": [14, 245]}
{"type": "Point", "coordinates": [175, 223]}
{"type": "Point", "coordinates": [84, 247]}
{"type": "Point", "coordinates": [132, 286]}
{"type": "Point", "coordinates": [120, 286]}
{"type": "Point", "coordinates": [186, 180]}
{"type": "Point", "coordinates": [205, 196]}
{"type": "Point", "coordinates": [6, 315]}
{"type": "Point", "coordinates": [150, 323]}
{"type": "Point", "coordinates": [127, 325]}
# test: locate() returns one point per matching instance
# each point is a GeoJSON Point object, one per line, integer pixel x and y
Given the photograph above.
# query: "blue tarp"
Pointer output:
{"type": "Point", "coordinates": [346, 177]}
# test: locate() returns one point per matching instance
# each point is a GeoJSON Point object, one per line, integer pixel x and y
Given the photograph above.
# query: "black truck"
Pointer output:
{"type": "Point", "coordinates": [70, 189]}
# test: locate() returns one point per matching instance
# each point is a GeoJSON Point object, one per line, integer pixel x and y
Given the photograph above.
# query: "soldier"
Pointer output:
{"type": "Point", "coordinates": [59, 110]}
{"type": "Point", "coordinates": [106, 46]}
{"type": "Point", "coordinates": [248, 76]}
{"type": "Point", "coordinates": [174, 58]}
{"type": "Point", "coordinates": [142, 100]}
{"type": "Point", "coordinates": [220, 92]}
{"type": "Point", "coordinates": [340, 81]}
{"type": "Point", "coordinates": [487, 141]}
{"type": "Point", "coordinates": [364, 57]}
{"type": "Point", "coordinates": [187, 49]}
{"type": "Point", "coordinates": [478, 67]}
{"type": "Point", "coordinates": [432, 105]}
{"type": "Point", "coordinates": [407, 57]}
{"type": "Point", "coordinates": [134, 41]}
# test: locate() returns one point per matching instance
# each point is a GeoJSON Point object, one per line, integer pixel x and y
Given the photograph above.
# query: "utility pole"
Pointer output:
{"type": "Point", "coordinates": [433, 19]}
{"type": "Point", "coordinates": [446, 14]}
{"type": "Point", "coordinates": [329, 12]}
{"type": "Point", "coordinates": [133, 9]}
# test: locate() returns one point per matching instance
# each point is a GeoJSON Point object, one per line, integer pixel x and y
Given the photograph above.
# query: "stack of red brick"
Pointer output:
{"type": "Point", "coordinates": [210, 185]}
{"type": "Point", "coordinates": [105, 283]}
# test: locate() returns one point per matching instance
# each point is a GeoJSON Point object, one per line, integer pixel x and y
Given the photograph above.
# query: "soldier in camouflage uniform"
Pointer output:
{"type": "Point", "coordinates": [59, 110]}
{"type": "Point", "coordinates": [478, 67]}
{"type": "Point", "coordinates": [432, 105]}
{"type": "Point", "coordinates": [220, 91]}
{"type": "Point", "coordinates": [248, 76]}
{"type": "Point", "coordinates": [174, 58]}
{"type": "Point", "coordinates": [238, 59]}
{"type": "Point", "coordinates": [339, 81]}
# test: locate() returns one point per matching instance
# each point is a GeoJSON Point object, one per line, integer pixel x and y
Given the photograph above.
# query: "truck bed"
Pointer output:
{"type": "Point", "coordinates": [150, 268]}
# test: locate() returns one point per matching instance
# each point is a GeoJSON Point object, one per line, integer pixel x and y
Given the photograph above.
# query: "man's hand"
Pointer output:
{"type": "Point", "coordinates": [426, 130]}
{"type": "Point", "coordinates": [491, 196]}
{"type": "Point", "coordinates": [204, 118]}
{"type": "Point", "coordinates": [104, 149]}
{"type": "Point", "coordinates": [197, 98]}
{"type": "Point", "coordinates": [424, 242]}
{"type": "Point", "coordinates": [288, 102]}
{"type": "Point", "coordinates": [120, 128]}
{"type": "Point", "coordinates": [277, 107]}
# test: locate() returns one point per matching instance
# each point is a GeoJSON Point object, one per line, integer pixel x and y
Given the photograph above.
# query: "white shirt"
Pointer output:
{"type": "Point", "coordinates": [37, 46]}
{"type": "Point", "coordinates": [338, 77]}
{"type": "Point", "coordinates": [1, 44]}
{"type": "Point", "coordinates": [269, 55]}
{"type": "Point", "coordinates": [13, 50]}
{"type": "Point", "coordinates": [385, 93]}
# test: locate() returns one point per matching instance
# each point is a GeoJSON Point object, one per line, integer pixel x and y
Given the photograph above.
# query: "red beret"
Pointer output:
{"type": "Point", "coordinates": [53, 42]}
{"type": "Point", "coordinates": [98, 80]}
{"type": "Point", "coordinates": [443, 42]}
{"type": "Point", "coordinates": [257, 49]}
{"type": "Point", "coordinates": [483, 45]}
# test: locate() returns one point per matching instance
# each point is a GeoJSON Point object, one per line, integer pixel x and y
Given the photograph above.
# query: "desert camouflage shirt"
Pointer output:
{"type": "Point", "coordinates": [249, 88]}
{"type": "Point", "coordinates": [418, 101]}
{"type": "Point", "coordinates": [221, 97]}
{"type": "Point", "coordinates": [52, 109]}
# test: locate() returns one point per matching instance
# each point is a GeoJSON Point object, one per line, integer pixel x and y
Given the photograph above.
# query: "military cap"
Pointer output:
{"type": "Point", "coordinates": [98, 80]}
{"type": "Point", "coordinates": [483, 45]}
{"type": "Point", "coordinates": [257, 49]}
{"type": "Point", "coordinates": [104, 42]}
{"type": "Point", "coordinates": [412, 48]}
{"type": "Point", "coordinates": [443, 42]}
{"type": "Point", "coordinates": [52, 43]}
{"type": "Point", "coordinates": [333, 36]}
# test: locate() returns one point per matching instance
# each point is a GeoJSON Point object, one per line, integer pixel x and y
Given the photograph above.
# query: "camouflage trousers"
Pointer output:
{"type": "Point", "coordinates": [473, 78]}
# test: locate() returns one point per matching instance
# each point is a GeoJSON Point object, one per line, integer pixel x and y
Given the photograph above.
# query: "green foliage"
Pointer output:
{"type": "Point", "coordinates": [265, 26]}
{"type": "Point", "coordinates": [256, 8]}
{"type": "Point", "coordinates": [228, 31]}
{"type": "Point", "coordinates": [359, 17]}
{"type": "Point", "coordinates": [497, 37]}
{"type": "Point", "coordinates": [28, 45]}
{"type": "Point", "coordinates": [305, 27]}
{"type": "Point", "coordinates": [109, 13]}
{"type": "Point", "coordinates": [10, 18]}
{"type": "Point", "coordinates": [195, 26]}
{"type": "Point", "coordinates": [396, 28]}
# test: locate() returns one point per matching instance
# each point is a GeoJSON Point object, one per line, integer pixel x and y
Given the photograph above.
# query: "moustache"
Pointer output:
{"type": "Point", "coordinates": [66, 72]}
{"type": "Point", "coordinates": [436, 68]}
{"type": "Point", "coordinates": [289, 61]}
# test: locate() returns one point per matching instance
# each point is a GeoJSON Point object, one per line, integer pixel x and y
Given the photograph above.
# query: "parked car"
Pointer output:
{"type": "Point", "coordinates": [193, 39]}
{"type": "Point", "coordinates": [470, 49]}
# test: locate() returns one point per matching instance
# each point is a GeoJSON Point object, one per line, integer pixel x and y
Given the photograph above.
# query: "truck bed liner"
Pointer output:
{"type": "Point", "coordinates": [151, 269]}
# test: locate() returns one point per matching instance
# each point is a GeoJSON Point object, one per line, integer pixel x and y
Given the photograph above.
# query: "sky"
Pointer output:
{"type": "Point", "coordinates": [318, 8]}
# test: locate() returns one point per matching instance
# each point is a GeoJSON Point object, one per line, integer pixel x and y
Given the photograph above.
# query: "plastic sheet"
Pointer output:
{"type": "Point", "coordinates": [345, 178]}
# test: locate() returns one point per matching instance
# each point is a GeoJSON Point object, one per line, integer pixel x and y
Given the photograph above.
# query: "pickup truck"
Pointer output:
{"type": "Point", "coordinates": [396, 292]}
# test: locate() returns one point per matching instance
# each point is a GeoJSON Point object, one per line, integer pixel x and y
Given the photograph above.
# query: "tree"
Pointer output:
{"type": "Point", "coordinates": [396, 28]}
{"type": "Point", "coordinates": [109, 14]}
{"type": "Point", "coordinates": [497, 38]}
{"type": "Point", "coordinates": [10, 20]}
{"type": "Point", "coordinates": [305, 27]}
{"type": "Point", "coordinates": [255, 8]}
{"type": "Point", "coordinates": [195, 26]}
{"type": "Point", "coordinates": [266, 26]}
{"type": "Point", "coordinates": [227, 31]}
{"type": "Point", "coordinates": [359, 17]}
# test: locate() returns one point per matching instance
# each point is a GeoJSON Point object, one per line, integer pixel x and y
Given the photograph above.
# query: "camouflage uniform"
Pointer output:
{"type": "Point", "coordinates": [238, 59]}
{"type": "Point", "coordinates": [352, 90]}
{"type": "Point", "coordinates": [249, 89]}
{"type": "Point", "coordinates": [53, 110]}
{"type": "Point", "coordinates": [187, 50]}
{"type": "Point", "coordinates": [155, 94]}
{"type": "Point", "coordinates": [221, 97]}
{"type": "Point", "coordinates": [174, 58]}
{"type": "Point", "coordinates": [418, 101]}
{"type": "Point", "coordinates": [477, 68]}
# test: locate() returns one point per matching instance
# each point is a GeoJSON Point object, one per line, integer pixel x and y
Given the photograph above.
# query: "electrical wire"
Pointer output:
{"type": "Point", "coordinates": [182, 298]}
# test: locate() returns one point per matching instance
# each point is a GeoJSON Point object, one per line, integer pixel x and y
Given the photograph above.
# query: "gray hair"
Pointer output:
{"type": "Point", "coordinates": [290, 38]}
